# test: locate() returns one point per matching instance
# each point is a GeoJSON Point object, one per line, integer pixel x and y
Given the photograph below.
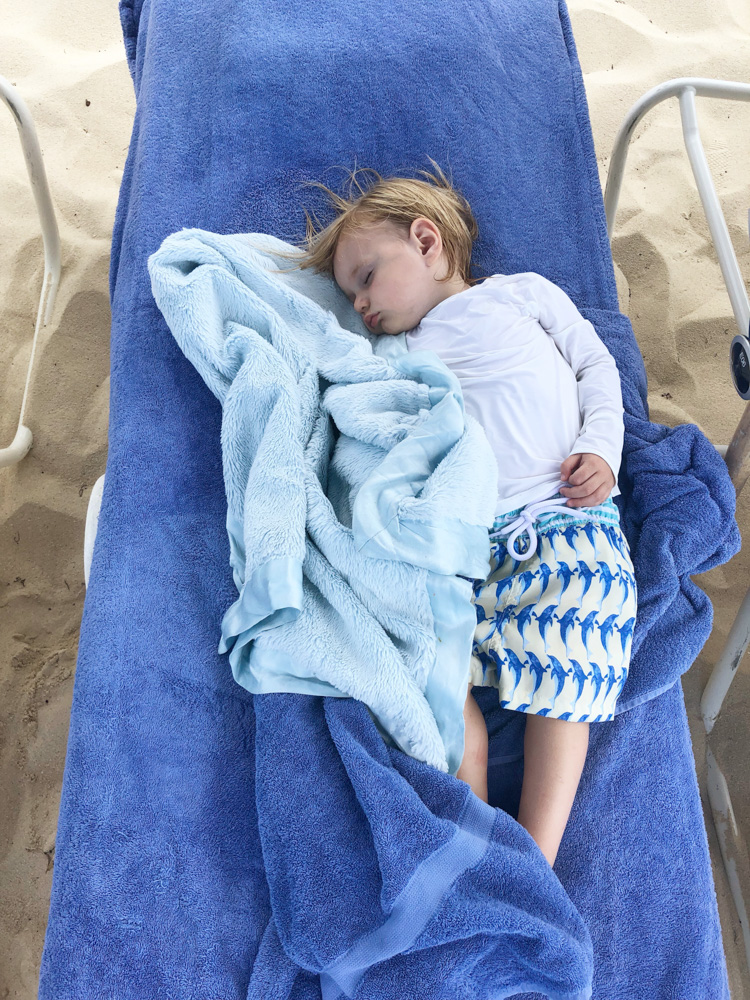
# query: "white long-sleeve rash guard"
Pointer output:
{"type": "Point", "coordinates": [534, 373]}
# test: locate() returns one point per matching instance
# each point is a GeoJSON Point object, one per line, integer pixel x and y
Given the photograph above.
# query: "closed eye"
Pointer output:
{"type": "Point", "coordinates": [368, 277]}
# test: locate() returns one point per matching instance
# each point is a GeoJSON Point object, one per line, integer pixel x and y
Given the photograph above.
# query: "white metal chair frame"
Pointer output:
{"type": "Point", "coordinates": [737, 453]}
{"type": "Point", "coordinates": [32, 152]}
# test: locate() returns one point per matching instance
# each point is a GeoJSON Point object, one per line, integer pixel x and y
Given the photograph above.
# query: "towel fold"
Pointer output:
{"type": "Point", "coordinates": [677, 507]}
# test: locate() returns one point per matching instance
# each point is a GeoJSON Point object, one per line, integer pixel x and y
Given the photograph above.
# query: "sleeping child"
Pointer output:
{"type": "Point", "coordinates": [555, 616]}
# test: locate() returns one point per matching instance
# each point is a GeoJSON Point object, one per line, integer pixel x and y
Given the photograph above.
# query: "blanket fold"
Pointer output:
{"type": "Point", "coordinates": [359, 492]}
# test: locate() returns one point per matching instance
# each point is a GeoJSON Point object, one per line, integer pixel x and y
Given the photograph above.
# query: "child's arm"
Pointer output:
{"type": "Point", "coordinates": [599, 391]}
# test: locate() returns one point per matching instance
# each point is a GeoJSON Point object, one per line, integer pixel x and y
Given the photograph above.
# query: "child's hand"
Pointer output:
{"type": "Point", "coordinates": [591, 482]}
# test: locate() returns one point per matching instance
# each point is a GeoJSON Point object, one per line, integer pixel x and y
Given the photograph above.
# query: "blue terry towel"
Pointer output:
{"type": "Point", "coordinates": [216, 843]}
{"type": "Point", "coordinates": [356, 514]}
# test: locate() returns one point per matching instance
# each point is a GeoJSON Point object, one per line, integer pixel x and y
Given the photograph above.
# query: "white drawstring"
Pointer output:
{"type": "Point", "coordinates": [524, 521]}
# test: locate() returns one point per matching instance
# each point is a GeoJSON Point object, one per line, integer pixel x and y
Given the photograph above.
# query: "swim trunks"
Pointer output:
{"type": "Point", "coordinates": [554, 631]}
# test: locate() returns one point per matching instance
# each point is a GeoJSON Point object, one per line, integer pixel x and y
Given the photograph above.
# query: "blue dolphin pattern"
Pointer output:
{"type": "Point", "coordinates": [497, 622]}
{"type": "Point", "coordinates": [537, 669]}
{"type": "Point", "coordinates": [612, 674]}
{"type": "Point", "coordinates": [617, 537]}
{"type": "Point", "coordinates": [587, 575]}
{"type": "Point", "coordinates": [503, 585]}
{"type": "Point", "coordinates": [481, 616]}
{"type": "Point", "coordinates": [559, 675]}
{"type": "Point", "coordinates": [590, 529]}
{"type": "Point", "coordinates": [570, 534]}
{"type": "Point", "coordinates": [607, 580]}
{"type": "Point", "coordinates": [564, 573]}
{"type": "Point", "coordinates": [516, 668]}
{"type": "Point", "coordinates": [526, 578]}
{"type": "Point", "coordinates": [602, 678]}
{"type": "Point", "coordinates": [544, 620]}
{"type": "Point", "coordinates": [587, 625]}
{"type": "Point", "coordinates": [544, 572]}
{"type": "Point", "coordinates": [579, 676]}
{"type": "Point", "coordinates": [492, 655]}
{"type": "Point", "coordinates": [596, 679]}
{"type": "Point", "coordinates": [605, 629]}
{"type": "Point", "coordinates": [626, 632]}
{"type": "Point", "coordinates": [500, 554]}
{"type": "Point", "coordinates": [523, 619]}
{"type": "Point", "coordinates": [566, 623]}
{"type": "Point", "coordinates": [626, 581]}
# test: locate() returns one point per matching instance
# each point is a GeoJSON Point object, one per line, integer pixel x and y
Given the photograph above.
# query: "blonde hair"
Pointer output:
{"type": "Point", "coordinates": [399, 200]}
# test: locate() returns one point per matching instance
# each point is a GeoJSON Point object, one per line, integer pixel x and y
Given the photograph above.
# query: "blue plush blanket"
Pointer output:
{"type": "Point", "coordinates": [218, 843]}
{"type": "Point", "coordinates": [355, 513]}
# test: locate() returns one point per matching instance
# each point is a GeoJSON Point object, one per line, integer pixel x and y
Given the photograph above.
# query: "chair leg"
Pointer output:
{"type": "Point", "coordinates": [737, 454]}
{"type": "Point", "coordinates": [723, 673]}
{"type": "Point", "coordinates": [731, 843]}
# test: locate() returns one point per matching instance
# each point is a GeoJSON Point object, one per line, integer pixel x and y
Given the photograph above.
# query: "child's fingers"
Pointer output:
{"type": "Point", "coordinates": [585, 488]}
{"type": "Point", "coordinates": [569, 465]}
{"type": "Point", "coordinates": [588, 495]}
{"type": "Point", "coordinates": [599, 496]}
{"type": "Point", "coordinates": [585, 470]}
{"type": "Point", "coordinates": [590, 483]}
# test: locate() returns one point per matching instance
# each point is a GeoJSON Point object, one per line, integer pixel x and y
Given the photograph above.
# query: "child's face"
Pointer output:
{"type": "Point", "coordinates": [390, 277]}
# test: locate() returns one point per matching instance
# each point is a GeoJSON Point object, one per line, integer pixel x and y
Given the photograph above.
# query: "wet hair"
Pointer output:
{"type": "Point", "coordinates": [398, 200]}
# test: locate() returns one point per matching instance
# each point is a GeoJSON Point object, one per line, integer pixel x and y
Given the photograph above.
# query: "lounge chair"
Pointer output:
{"type": "Point", "coordinates": [188, 804]}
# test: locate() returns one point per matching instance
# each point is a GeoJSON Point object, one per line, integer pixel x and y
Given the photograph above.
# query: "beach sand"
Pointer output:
{"type": "Point", "coordinates": [68, 63]}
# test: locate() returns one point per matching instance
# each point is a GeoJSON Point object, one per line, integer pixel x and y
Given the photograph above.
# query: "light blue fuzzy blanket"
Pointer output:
{"type": "Point", "coordinates": [359, 491]}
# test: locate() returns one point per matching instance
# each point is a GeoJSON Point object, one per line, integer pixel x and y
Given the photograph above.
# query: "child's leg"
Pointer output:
{"type": "Point", "coordinates": [554, 755]}
{"type": "Point", "coordinates": [473, 769]}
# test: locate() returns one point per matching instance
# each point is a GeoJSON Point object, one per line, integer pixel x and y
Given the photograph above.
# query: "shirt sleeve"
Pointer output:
{"type": "Point", "coordinates": [599, 389]}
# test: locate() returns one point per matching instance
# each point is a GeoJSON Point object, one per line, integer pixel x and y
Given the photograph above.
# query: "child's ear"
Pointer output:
{"type": "Point", "coordinates": [427, 235]}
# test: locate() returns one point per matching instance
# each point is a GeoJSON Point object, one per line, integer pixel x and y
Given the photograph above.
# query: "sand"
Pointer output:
{"type": "Point", "coordinates": [67, 60]}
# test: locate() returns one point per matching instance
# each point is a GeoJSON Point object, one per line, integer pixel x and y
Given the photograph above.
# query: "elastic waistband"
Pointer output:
{"type": "Point", "coordinates": [544, 514]}
{"type": "Point", "coordinates": [606, 512]}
